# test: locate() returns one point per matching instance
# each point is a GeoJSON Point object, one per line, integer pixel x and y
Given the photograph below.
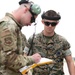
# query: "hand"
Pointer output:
{"type": "Point", "coordinates": [36, 57]}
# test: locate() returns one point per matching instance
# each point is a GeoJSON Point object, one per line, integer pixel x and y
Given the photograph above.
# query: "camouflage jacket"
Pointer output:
{"type": "Point", "coordinates": [55, 47]}
{"type": "Point", "coordinates": [12, 43]}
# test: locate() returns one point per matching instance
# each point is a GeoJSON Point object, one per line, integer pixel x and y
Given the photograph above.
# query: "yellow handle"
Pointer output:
{"type": "Point", "coordinates": [31, 67]}
{"type": "Point", "coordinates": [35, 65]}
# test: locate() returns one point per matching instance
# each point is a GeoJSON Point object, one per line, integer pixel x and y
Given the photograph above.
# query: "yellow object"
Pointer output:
{"type": "Point", "coordinates": [42, 62]}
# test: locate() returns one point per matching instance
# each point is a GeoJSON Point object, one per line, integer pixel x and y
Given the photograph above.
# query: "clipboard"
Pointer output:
{"type": "Point", "coordinates": [43, 61]}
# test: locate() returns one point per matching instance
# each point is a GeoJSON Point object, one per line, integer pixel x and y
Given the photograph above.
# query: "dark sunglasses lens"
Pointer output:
{"type": "Point", "coordinates": [53, 24]}
{"type": "Point", "coordinates": [50, 23]}
{"type": "Point", "coordinates": [47, 23]}
{"type": "Point", "coordinates": [32, 19]}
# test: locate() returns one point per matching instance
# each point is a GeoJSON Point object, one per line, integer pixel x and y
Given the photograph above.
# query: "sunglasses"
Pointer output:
{"type": "Point", "coordinates": [32, 19]}
{"type": "Point", "coordinates": [50, 23]}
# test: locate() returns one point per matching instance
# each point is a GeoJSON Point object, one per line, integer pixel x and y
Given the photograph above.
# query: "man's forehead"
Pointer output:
{"type": "Point", "coordinates": [50, 20]}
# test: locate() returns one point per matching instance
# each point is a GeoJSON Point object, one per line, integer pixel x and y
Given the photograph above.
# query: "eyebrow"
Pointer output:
{"type": "Point", "coordinates": [25, 6]}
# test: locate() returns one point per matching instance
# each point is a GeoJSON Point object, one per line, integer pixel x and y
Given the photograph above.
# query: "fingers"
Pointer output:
{"type": "Point", "coordinates": [36, 57]}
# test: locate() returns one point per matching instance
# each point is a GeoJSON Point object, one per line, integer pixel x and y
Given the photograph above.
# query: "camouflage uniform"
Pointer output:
{"type": "Point", "coordinates": [12, 43]}
{"type": "Point", "coordinates": [55, 47]}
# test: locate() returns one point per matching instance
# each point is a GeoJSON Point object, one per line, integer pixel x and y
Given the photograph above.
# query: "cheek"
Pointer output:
{"type": "Point", "coordinates": [46, 28]}
{"type": "Point", "coordinates": [54, 27]}
{"type": "Point", "coordinates": [23, 20]}
{"type": "Point", "coordinates": [28, 18]}
{"type": "Point", "coordinates": [23, 17]}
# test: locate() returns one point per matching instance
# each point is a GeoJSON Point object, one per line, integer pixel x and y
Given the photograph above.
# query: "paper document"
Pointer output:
{"type": "Point", "coordinates": [43, 61]}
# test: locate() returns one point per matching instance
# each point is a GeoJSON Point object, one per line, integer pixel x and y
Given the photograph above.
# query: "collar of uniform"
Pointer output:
{"type": "Point", "coordinates": [11, 16]}
{"type": "Point", "coordinates": [48, 36]}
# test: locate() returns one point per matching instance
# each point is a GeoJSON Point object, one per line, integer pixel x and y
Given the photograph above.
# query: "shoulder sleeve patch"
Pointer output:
{"type": "Point", "coordinates": [8, 41]}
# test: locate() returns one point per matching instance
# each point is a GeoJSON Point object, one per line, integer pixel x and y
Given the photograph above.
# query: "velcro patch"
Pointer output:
{"type": "Point", "coordinates": [8, 41]}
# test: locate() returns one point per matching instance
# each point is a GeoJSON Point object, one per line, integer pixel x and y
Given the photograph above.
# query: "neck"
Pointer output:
{"type": "Point", "coordinates": [48, 34]}
{"type": "Point", "coordinates": [17, 18]}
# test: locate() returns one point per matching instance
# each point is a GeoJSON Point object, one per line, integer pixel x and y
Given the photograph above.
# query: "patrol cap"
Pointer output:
{"type": "Point", "coordinates": [34, 8]}
{"type": "Point", "coordinates": [51, 15]}
{"type": "Point", "coordinates": [23, 1]}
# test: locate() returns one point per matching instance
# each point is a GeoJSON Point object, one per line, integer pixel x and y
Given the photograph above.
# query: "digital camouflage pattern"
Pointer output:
{"type": "Point", "coordinates": [12, 43]}
{"type": "Point", "coordinates": [55, 47]}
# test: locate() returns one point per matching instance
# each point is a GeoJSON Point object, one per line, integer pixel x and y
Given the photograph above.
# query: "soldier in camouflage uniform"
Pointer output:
{"type": "Point", "coordinates": [52, 46]}
{"type": "Point", "coordinates": [12, 41]}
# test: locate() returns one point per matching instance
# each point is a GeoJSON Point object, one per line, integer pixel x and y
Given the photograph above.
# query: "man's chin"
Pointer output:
{"type": "Point", "coordinates": [27, 25]}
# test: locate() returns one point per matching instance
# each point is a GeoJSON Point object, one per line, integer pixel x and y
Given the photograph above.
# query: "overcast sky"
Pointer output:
{"type": "Point", "coordinates": [66, 8]}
